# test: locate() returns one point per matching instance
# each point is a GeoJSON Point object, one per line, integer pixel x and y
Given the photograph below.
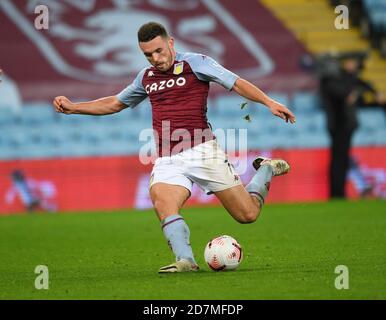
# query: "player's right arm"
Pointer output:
{"type": "Point", "coordinates": [107, 105]}
{"type": "Point", "coordinates": [131, 96]}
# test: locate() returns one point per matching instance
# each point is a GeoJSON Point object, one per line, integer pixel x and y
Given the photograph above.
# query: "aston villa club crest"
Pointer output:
{"type": "Point", "coordinates": [178, 68]}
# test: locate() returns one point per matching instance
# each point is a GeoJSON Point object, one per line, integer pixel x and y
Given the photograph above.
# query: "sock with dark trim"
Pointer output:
{"type": "Point", "coordinates": [177, 233]}
{"type": "Point", "coordinates": [259, 185]}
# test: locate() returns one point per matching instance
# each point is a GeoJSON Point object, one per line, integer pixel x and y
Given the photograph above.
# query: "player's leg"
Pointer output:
{"type": "Point", "coordinates": [168, 200]}
{"type": "Point", "coordinates": [208, 166]}
{"type": "Point", "coordinates": [243, 207]}
{"type": "Point", "coordinates": [245, 204]}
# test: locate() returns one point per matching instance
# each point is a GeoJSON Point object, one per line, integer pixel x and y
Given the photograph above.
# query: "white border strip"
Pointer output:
{"type": "Point", "coordinates": [267, 65]}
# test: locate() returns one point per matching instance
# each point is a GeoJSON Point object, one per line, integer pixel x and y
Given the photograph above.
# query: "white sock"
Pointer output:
{"type": "Point", "coordinates": [177, 233]}
{"type": "Point", "coordinates": [259, 185]}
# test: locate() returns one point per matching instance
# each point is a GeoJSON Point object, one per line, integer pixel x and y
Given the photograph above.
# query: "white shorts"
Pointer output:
{"type": "Point", "coordinates": [206, 165]}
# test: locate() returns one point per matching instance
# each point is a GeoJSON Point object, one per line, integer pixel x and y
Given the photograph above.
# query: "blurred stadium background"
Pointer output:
{"type": "Point", "coordinates": [76, 163]}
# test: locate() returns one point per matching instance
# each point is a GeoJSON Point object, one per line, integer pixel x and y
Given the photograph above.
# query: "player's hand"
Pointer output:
{"type": "Point", "coordinates": [380, 98]}
{"type": "Point", "coordinates": [352, 98]}
{"type": "Point", "coordinates": [63, 105]}
{"type": "Point", "coordinates": [281, 111]}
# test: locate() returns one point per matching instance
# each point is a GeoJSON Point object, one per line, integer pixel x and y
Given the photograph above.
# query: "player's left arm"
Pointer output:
{"type": "Point", "coordinates": [249, 91]}
{"type": "Point", "coordinates": [207, 69]}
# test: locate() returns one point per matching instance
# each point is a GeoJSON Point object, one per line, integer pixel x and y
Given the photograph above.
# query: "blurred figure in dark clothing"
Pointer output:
{"type": "Point", "coordinates": [342, 92]}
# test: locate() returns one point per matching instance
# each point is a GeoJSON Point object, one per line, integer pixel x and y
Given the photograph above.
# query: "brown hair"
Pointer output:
{"type": "Point", "coordinates": [150, 30]}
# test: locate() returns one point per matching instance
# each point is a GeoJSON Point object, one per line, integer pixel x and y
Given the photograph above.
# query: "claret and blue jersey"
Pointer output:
{"type": "Point", "coordinates": [179, 95]}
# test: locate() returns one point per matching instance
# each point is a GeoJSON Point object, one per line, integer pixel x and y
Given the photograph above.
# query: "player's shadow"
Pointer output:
{"type": "Point", "coordinates": [209, 272]}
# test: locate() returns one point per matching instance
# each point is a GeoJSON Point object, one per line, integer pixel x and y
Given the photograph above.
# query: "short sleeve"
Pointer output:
{"type": "Point", "coordinates": [134, 93]}
{"type": "Point", "coordinates": [207, 69]}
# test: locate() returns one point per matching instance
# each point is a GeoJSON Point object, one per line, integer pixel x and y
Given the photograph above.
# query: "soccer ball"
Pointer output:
{"type": "Point", "coordinates": [223, 253]}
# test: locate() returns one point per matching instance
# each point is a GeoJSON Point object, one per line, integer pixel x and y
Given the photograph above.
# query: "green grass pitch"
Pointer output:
{"type": "Point", "coordinates": [291, 252]}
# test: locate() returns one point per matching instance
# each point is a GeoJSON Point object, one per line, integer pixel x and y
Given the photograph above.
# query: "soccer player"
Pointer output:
{"type": "Point", "coordinates": [177, 84]}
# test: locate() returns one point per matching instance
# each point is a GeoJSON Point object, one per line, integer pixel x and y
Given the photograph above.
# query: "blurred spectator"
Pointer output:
{"type": "Point", "coordinates": [342, 92]}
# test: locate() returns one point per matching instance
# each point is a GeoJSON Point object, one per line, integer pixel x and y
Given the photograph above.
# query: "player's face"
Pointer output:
{"type": "Point", "coordinates": [159, 52]}
{"type": "Point", "coordinates": [351, 65]}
